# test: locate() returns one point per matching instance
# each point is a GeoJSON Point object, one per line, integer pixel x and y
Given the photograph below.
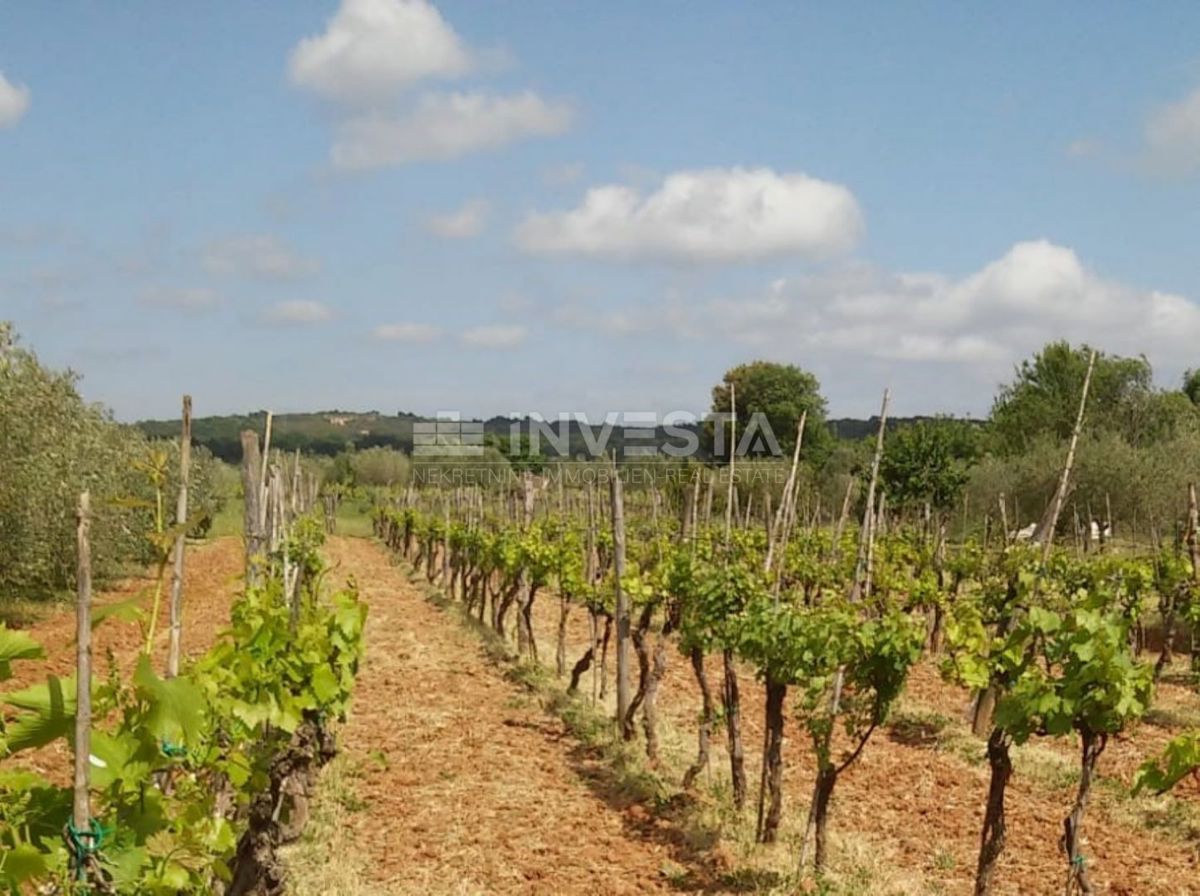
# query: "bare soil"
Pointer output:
{"type": "Point", "coordinates": [211, 578]}
{"type": "Point", "coordinates": [909, 811]}
{"type": "Point", "coordinates": [467, 788]}
{"type": "Point", "coordinates": [465, 785]}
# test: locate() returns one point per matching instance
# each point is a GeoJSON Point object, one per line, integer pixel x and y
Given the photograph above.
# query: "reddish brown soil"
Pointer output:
{"type": "Point", "coordinates": [210, 580]}
{"type": "Point", "coordinates": [469, 788]}
{"type": "Point", "coordinates": [920, 808]}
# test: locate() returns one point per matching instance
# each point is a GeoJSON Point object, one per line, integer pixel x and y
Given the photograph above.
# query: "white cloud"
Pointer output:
{"type": "Point", "coordinates": [705, 215]}
{"type": "Point", "coordinates": [300, 311]}
{"type": "Point", "coordinates": [181, 298]}
{"type": "Point", "coordinates": [1036, 292]}
{"type": "Point", "coordinates": [494, 336]}
{"type": "Point", "coordinates": [1172, 136]}
{"type": "Point", "coordinates": [462, 223]}
{"type": "Point", "coordinates": [369, 59]}
{"type": "Point", "coordinates": [446, 126]}
{"type": "Point", "coordinates": [257, 256]}
{"type": "Point", "coordinates": [406, 332]}
{"type": "Point", "coordinates": [372, 48]}
{"type": "Point", "coordinates": [982, 323]}
{"type": "Point", "coordinates": [14, 102]}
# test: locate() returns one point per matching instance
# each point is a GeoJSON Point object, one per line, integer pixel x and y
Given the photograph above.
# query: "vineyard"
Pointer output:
{"type": "Point", "coordinates": [459, 448]}
{"type": "Point", "coordinates": [827, 625]}
{"type": "Point", "coordinates": [186, 778]}
{"type": "Point", "coordinates": [603, 676]}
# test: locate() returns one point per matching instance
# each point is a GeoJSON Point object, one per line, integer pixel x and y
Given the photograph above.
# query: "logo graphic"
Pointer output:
{"type": "Point", "coordinates": [448, 436]}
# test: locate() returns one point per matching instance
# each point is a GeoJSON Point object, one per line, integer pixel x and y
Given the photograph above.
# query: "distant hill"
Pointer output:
{"type": "Point", "coordinates": [852, 429]}
{"type": "Point", "coordinates": [331, 432]}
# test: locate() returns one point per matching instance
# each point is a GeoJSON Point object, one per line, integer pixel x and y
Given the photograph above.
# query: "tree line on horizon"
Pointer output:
{"type": "Point", "coordinates": [1135, 459]}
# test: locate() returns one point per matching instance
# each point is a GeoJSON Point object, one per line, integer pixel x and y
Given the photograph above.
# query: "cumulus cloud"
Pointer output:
{"type": "Point", "coordinates": [982, 323]}
{"type": "Point", "coordinates": [1035, 292]}
{"type": "Point", "coordinates": [14, 102]}
{"type": "Point", "coordinates": [705, 215]}
{"type": "Point", "coordinates": [462, 223]}
{"type": "Point", "coordinates": [299, 311]}
{"type": "Point", "coordinates": [446, 126]}
{"type": "Point", "coordinates": [1172, 136]}
{"type": "Point", "coordinates": [369, 61]}
{"type": "Point", "coordinates": [257, 256]}
{"type": "Point", "coordinates": [181, 298]}
{"type": "Point", "coordinates": [494, 336]}
{"type": "Point", "coordinates": [372, 48]}
{"type": "Point", "coordinates": [406, 332]}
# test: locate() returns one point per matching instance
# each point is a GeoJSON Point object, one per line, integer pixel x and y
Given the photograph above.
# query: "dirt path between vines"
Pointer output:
{"type": "Point", "coordinates": [465, 787]}
{"type": "Point", "coordinates": [469, 789]}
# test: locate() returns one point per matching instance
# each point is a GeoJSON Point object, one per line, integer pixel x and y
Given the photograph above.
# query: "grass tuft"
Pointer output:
{"type": "Point", "coordinates": [322, 863]}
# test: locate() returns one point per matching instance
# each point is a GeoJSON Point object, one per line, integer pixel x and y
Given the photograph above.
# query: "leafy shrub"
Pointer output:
{"type": "Point", "coordinates": [53, 445]}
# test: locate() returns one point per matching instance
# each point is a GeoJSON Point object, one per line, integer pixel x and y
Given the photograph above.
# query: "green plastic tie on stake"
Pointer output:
{"type": "Point", "coordinates": [174, 751]}
{"type": "Point", "coordinates": [85, 844]}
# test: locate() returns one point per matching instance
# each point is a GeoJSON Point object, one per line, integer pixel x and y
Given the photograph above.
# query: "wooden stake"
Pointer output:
{"type": "Point", "coordinates": [836, 546]}
{"type": "Point", "coordinates": [263, 504]}
{"type": "Point", "coordinates": [82, 812]}
{"type": "Point", "coordinates": [618, 523]}
{"type": "Point", "coordinates": [861, 582]}
{"type": "Point", "coordinates": [253, 518]}
{"type": "Point", "coordinates": [1193, 539]}
{"type": "Point", "coordinates": [786, 501]}
{"type": "Point", "coordinates": [181, 515]}
{"type": "Point", "coordinates": [1045, 531]}
{"type": "Point", "coordinates": [732, 451]}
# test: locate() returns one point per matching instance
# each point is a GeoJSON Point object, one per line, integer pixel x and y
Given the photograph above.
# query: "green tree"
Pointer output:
{"type": "Point", "coordinates": [520, 452]}
{"type": "Point", "coordinates": [1043, 399]}
{"type": "Point", "coordinates": [380, 466]}
{"type": "Point", "coordinates": [53, 445]}
{"type": "Point", "coordinates": [1191, 385]}
{"type": "Point", "coordinates": [929, 461]}
{"type": "Point", "coordinates": [781, 393]}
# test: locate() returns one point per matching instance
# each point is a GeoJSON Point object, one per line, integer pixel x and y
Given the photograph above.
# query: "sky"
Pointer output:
{"type": "Point", "coordinates": [556, 207]}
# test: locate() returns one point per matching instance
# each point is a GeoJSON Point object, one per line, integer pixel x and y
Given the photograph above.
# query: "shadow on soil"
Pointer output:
{"type": "Point", "coordinates": [651, 808]}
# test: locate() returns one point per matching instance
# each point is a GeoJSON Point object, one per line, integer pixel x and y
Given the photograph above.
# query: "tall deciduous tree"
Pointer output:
{"type": "Point", "coordinates": [1043, 398]}
{"type": "Point", "coordinates": [929, 461]}
{"type": "Point", "coordinates": [781, 393]}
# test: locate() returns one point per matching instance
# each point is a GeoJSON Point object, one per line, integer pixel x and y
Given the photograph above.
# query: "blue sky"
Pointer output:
{"type": "Point", "coordinates": [541, 206]}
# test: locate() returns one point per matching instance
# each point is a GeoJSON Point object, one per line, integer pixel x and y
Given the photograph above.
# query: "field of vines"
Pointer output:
{"type": "Point", "coordinates": [186, 773]}
{"type": "Point", "coordinates": [605, 676]}
{"type": "Point", "coordinates": [1047, 644]}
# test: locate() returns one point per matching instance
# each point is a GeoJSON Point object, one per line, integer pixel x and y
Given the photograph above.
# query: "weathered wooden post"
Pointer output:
{"type": "Point", "coordinates": [181, 515]}
{"type": "Point", "coordinates": [731, 695]}
{"type": "Point", "coordinates": [447, 572]}
{"type": "Point", "coordinates": [81, 815]}
{"type": "Point", "coordinates": [262, 473]}
{"type": "Point", "coordinates": [252, 525]}
{"type": "Point", "coordinates": [526, 642]}
{"type": "Point", "coordinates": [1044, 534]}
{"type": "Point", "coordinates": [616, 494]}
{"type": "Point", "coordinates": [862, 568]}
